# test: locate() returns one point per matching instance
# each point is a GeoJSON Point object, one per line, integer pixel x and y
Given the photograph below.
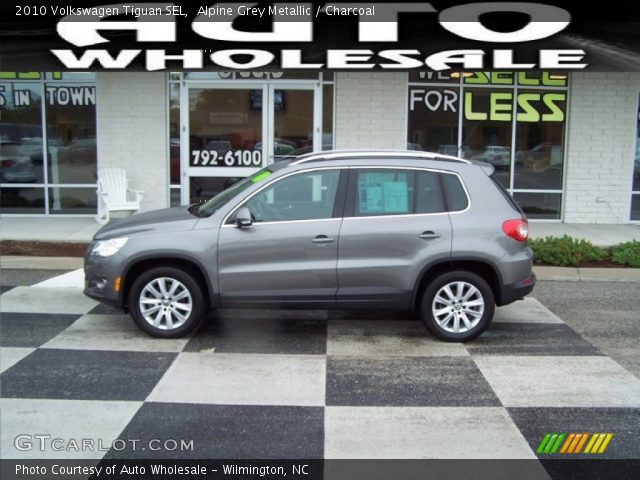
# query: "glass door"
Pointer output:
{"type": "Point", "coordinates": [294, 122]}
{"type": "Point", "coordinates": [223, 138]}
{"type": "Point", "coordinates": [230, 131]}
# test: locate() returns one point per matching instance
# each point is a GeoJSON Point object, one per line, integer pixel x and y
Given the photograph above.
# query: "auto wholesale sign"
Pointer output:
{"type": "Point", "coordinates": [436, 36]}
{"type": "Point", "coordinates": [377, 23]}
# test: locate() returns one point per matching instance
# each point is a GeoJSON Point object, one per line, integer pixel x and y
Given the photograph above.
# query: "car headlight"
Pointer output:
{"type": "Point", "coordinates": [106, 248]}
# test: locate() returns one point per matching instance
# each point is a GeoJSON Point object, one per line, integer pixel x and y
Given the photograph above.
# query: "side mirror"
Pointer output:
{"type": "Point", "coordinates": [243, 218]}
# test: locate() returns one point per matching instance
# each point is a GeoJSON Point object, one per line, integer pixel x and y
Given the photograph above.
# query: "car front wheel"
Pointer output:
{"type": "Point", "coordinates": [457, 306]}
{"type": "Point", "coordinates": [166, 302]}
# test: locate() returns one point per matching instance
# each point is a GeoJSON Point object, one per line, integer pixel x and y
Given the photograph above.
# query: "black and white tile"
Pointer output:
{"type": "Point", "coordinates": [302, 384]}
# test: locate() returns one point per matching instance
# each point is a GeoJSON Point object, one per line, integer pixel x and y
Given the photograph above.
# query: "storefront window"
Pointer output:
{"type": "Point", "coordinates": [540, 129]}
{"type": "Point", "coordinates": [327, 117]}
{"type": "Point", "coordinates": [513, 120]}
{"type": "Point", "coordinates": [635, 198]}
{"type": "Point", "coordinates": [21, 133]}
{"type": "Point", "coordinates": [72, 200]}
{"type": "Point", "coordinates": [174, 133]}
{"type": "Point", "coordinates": [71, 133]}
{"type": "Point", "coordinates": [22, 200]}
{"type": "Point", "coordinates": [486, 130]}
{"type": "Point", "coordinates": [226, 127]}
{"type": "Point", "coordinates": [433, 119]}
{"type": "Point", "coordinates": [29, 183]}
{"type": "Point", "coordinates": [539, 205]}
{"type": "Point", "coordinates": [203, 188]}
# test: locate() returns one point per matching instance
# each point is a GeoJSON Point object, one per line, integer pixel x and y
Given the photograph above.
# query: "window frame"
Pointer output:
{"type": "Point", "coordinates": [338, 206]}
{"type": "Point", "coordinates": [350, 207]}
{"type": "Point", "coordinates": [42, 79]}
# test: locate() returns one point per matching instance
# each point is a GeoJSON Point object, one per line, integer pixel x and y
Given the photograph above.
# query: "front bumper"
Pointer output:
{"type": "Point", "coordinates": [100, 276]}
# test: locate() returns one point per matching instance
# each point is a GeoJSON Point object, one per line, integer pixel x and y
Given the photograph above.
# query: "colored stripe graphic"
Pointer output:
{"type": "Point", "coordinates": [573, 443]}
{"type": "Point", "coordinates": [605, 444]}
{"type": "Point", "coordinates": [594, 437]}
{"type": "Point", "coordinates": [550, 443]}
{"type": "Point", "coordinates": [581, 444]}
{"type": "Point", "coordinates": [598, 443]}
{"type": "Point", "coordinates": [568, 442]}
{"type": "Point", "coordinates": [543, 443]}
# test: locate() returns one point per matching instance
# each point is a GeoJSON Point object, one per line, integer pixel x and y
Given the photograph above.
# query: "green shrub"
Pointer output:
{"type": "Point", "coordinates": [626, 254]}
{"type": "Point", "coordinates": [565, 251]}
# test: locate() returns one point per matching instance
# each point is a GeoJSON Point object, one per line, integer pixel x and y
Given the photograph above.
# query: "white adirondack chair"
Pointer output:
{"type": "Point", "coordinates": [114, 194]}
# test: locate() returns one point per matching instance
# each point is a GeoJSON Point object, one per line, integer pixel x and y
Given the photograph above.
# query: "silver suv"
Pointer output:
{"type": "Point", "coordinates": [414, 231]}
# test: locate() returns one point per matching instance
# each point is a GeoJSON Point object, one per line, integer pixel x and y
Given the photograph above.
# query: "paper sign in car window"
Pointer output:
{"type": "Point", "coordinates": [396, 197]}
{"type": "Point", "coordinates": [371, 198]}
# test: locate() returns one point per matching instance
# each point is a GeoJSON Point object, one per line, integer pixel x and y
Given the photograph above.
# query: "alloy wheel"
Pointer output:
{"type": "Point", "coordinates": [458, 307]}
{"type": "Point", "coordinates": [165, 303]}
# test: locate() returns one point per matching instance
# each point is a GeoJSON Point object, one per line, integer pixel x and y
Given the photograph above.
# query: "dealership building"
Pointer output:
{"type": "Point", "coordinates": [566, 145]}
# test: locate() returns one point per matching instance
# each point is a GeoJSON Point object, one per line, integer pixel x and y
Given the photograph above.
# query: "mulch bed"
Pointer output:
{"type": "Point", "coordinates": [42, 249]}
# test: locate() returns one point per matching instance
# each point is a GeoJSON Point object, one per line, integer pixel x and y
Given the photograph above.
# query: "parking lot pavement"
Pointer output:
{"type": "Point", "coordinates": [303, 384]}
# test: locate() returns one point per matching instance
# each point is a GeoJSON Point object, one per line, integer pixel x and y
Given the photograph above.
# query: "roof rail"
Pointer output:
{"type": "Point", "coordinates": [339, 154]}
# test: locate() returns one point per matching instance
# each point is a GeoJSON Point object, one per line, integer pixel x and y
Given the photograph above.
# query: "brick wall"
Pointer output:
{"type": "Point", "coordinates": [601, 146]}
{"type": "Point", "coordinates": [132, 131]}
{"type": "Point", "coordinates": [371, 110]}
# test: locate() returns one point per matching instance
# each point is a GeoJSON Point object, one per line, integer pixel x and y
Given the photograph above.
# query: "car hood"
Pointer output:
{"type": "Point", "coordinates": [166, 220]}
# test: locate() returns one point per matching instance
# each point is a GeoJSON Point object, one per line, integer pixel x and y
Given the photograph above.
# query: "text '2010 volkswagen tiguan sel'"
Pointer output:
{"type": "Point", "coordinates": [334, 230]}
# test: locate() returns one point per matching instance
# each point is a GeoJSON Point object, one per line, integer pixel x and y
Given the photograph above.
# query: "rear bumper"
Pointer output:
{"type": "Point", "coordinates": [516, 291]}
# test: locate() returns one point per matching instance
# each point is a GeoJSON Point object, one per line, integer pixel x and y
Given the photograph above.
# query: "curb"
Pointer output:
{"type": "Point", "coordinates": [571, 274]}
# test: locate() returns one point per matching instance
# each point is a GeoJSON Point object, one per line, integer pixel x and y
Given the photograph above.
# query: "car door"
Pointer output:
{"type": "Point", "coordinates": [395, 223]}
{"type": "Point", "coordinates": [288, 256]}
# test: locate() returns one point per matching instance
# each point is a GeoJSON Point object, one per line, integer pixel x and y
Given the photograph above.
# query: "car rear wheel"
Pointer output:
{"type": "Point", "coordinates": [166, 302]}
{"type": "Point", "coordinates": [457, 306]}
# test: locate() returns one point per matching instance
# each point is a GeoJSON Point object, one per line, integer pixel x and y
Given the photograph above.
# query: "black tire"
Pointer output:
{"type": "Point", "coordinates": [428, 296]}
{"type": "Point", "coordinates": [194, 318]}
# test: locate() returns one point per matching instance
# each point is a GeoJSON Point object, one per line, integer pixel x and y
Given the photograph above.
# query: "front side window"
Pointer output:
{"type": "Point", "coordinates": [303, 196]}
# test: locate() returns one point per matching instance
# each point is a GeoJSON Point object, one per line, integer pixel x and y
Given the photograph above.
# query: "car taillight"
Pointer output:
{"type": "Point", "coordinates": [8, 163]}
{"type": "Point", "coordinates": [516, 229]}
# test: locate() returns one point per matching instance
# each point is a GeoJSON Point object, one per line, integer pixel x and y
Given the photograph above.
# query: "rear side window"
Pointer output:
{"type": "Point", "coordinates": [429, 193]}
{"type": "Point", "coordinates": [456, 196]}
{"type": "Point", "coordinates": [384, 192]}
{"type": "Point", "coordinates": [396, 192]}
{"type": "Point", "coordinates": [507, 196]}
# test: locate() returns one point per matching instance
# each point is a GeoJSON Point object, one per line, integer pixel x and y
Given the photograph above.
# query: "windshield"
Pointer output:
{"type": "Point", "coordinates": [210, 206]}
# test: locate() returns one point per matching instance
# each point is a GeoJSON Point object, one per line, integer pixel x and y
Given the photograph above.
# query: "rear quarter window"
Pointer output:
{"type": "Point", "coordinates": [457, 199]}
{"type": "Point", "coordinates": [507, 196]}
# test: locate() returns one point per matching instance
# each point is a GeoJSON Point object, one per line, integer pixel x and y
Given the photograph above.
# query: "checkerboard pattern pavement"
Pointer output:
{"type": "Point", "coordinates": [300, 384]}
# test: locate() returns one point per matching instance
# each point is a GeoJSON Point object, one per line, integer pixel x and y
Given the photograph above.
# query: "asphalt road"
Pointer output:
{"type": "Point", "coordinates": [605, 314]}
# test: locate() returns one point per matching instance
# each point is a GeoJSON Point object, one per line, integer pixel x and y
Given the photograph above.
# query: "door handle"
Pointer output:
{"type": "Point", "coordinates": [322, 239]}
{"type": "Point", "coordinates": [429, 235]}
